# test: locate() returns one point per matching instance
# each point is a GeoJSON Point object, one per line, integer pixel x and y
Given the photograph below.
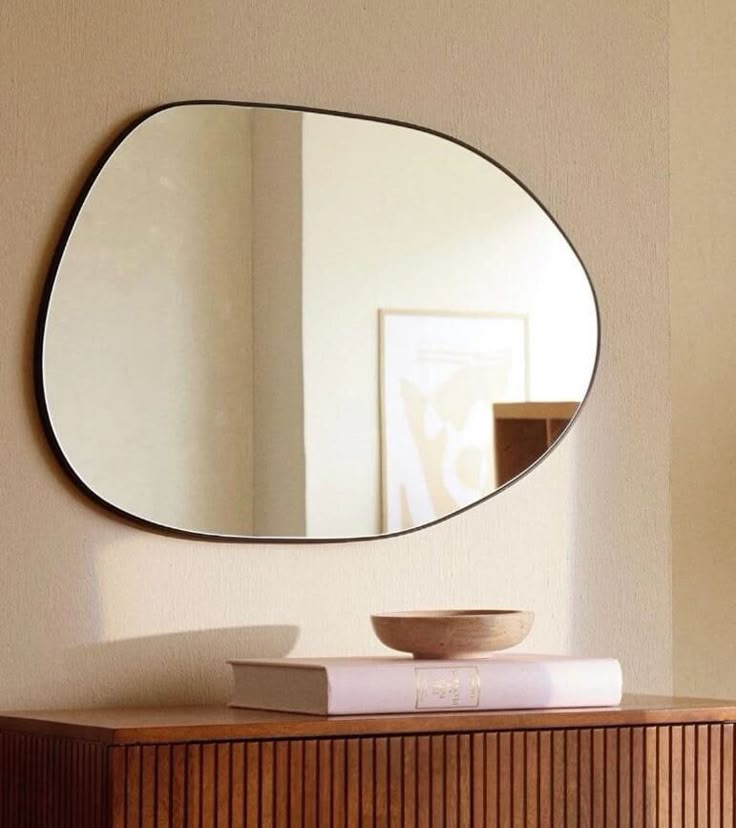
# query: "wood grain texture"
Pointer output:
{"type": "Point", "coordinates": [123, 725]}
{"type": "Point", "coordinates": [523, 432]}
{"type": "Point", "coordinates": [678, 775]}
{"type": "Point", "coordinates": [52, 783]}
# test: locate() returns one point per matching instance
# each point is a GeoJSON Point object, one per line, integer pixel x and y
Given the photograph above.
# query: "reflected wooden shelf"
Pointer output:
{"type": "Point", "coordinates": [524, 431]}
{"type": "Point", "coordinates": [653, 761]}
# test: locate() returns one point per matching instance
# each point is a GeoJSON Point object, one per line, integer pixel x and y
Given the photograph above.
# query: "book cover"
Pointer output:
{"type": "Point", "coordinates": [344, 686]}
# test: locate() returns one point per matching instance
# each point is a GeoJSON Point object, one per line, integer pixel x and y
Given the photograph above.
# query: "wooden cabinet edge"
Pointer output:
{"type": "Point", "coordinates": [652, 767]}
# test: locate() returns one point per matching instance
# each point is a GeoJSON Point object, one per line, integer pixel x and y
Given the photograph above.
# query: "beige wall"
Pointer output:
{"type": "Point", "coordinates": [703, 290]}
{"type": "Point", "coordinates": [572, 97]}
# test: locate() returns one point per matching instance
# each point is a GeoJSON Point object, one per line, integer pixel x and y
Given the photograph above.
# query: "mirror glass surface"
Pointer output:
{"type": "Point", "coordinates": [279, 323]}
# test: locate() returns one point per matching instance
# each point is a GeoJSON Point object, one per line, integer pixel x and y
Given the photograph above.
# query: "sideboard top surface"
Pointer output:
{"type": "Point", "coordinates": [122, 725]}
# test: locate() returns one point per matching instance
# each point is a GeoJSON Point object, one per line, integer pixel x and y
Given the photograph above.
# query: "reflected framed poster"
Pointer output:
{"type": "Point", "coordinates": [440, 374]}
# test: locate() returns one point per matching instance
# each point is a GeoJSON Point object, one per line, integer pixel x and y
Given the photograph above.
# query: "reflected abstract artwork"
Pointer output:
{"type": "Point", "coordinates": [441, 373]}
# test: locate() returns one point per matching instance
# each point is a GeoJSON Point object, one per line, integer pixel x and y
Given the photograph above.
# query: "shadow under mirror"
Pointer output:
{"type": "Point", "coordinates": [289, 324]}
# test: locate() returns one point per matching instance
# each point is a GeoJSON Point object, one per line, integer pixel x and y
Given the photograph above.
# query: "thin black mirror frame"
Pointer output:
{"type": "Point", "coordinates": [169, 531]}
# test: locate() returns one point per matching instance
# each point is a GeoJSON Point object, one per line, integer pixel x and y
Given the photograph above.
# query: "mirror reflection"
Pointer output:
{"type": "Point", "coordinates": [276, 323]}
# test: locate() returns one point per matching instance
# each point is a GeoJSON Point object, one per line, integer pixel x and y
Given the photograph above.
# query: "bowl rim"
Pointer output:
{"type": "Point", "coordinates": [449, 614]}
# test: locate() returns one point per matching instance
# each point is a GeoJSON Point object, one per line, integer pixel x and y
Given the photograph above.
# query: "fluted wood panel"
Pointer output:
{"type": "Point", "coordinates": [624, 777]}
{"type": "Point", "coordinates": [619, 777]}
{"type": "Point", "coordinates": [52, 783]}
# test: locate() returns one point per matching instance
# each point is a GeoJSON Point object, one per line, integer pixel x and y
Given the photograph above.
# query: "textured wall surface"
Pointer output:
{"type": "Point", "coordinates": [570, 96]}
{"type": "Point", "coordinates": [703, 289]}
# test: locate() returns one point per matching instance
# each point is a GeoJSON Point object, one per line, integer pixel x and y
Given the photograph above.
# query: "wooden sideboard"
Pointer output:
{"type": "Point", "coordinates": [523, 431]}
{"type": "Point", "coordinates": [651, 762]}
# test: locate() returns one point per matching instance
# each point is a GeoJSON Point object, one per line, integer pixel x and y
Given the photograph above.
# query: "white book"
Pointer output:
{"type": "Point", "coordinates": [344, 686]}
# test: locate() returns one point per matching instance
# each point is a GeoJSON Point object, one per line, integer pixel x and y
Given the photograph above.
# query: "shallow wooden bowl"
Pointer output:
{"type": "Point", "coordinates": [452, 633]}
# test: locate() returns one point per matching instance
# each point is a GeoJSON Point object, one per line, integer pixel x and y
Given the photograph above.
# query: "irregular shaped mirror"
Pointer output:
{"type": "Point", "coordinates": [277, 323]}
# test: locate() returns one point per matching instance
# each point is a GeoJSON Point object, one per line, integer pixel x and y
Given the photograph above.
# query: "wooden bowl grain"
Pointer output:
{"type": "Point", "coordinates": [452, 634]}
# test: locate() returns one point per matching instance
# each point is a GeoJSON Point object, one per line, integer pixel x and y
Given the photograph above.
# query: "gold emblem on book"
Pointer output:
{"type": "Point", "coordinates": [447, 687]}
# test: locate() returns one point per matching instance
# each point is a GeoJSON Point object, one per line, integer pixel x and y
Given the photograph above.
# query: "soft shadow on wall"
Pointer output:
{"type": "Point", "coordinates": [180, 668]}
{"type": "Point", "coordinates": [624, 584]}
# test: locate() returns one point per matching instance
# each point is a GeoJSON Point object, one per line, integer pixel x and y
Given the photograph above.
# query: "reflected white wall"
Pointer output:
{"type": "Point", "coordinates": [148, 358]}
{"type": "Point", "coordinates": [400, 219]}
